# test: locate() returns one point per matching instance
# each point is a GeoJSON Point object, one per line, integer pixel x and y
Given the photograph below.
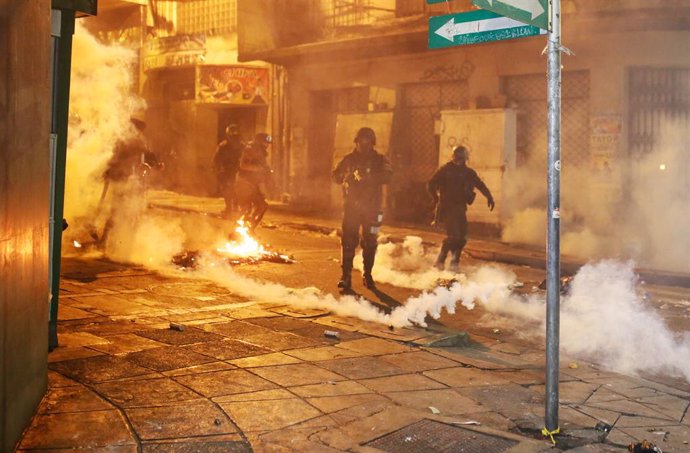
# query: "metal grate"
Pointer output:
{"type": "Point", "coordinates": [435, 437]}
{"type": "Point", "coordinates": [214, 17]}
{"type": "Point", "coordinates": [422, 105]}
{"type": "Point", "coordinates": [656, 94]}
{"type": "Point", "coordinates": [528, 93]}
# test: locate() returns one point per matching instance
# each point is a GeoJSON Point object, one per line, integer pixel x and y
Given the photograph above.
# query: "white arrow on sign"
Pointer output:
{"type": "Point", "coordinates": [534, 7]}
{"type": "Point", "coordinates": [450, 29]}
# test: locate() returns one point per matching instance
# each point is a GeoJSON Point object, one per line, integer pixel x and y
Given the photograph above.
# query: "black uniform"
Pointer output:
{"type": "Point", "coordinates": [452, 187]}
{"type": "Point", "coordinates": [254, 172]}
{"type": "Point", "coordinates": [226, 163]}
{"type": "Point", "coordinates": [362, 175]}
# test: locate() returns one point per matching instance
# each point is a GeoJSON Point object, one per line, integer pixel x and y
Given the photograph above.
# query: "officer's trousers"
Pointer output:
{"type": "Point", "coordinates": [368, 221]}
{"type": "Point", "coordinates": [456, 229]}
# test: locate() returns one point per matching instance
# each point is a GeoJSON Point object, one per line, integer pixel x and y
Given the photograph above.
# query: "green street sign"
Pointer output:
{"type": "Point", "coordinates": [475, 27]}
{"type": "Point", "coordinates": [533, 12]}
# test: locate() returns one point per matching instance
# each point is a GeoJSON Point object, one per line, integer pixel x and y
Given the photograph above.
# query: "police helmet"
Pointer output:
{"type": "Point", "coordinates": [461, 153]}
{"type": "Point", "coordinates": [263, 138]}
{"type": "Point", "coordinates": [366, 132]}
{"type": "Point", "coordinates": [232, 129]}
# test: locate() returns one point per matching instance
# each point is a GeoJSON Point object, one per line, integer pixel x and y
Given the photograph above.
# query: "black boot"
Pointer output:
{"type": "Point", "coordinates": [346, 280]}
{"type": "Point", "coordinates": [441, 260]}
{"type": "Point", "coordinates": [368, 281]}
{"type": "Point", "coordinates": [368, 257]}
{"type": "Point", "coordinates": [455, 261]}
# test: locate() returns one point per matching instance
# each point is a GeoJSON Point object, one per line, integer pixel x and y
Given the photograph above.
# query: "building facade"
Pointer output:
{"type": "Point", "coordinates": [628, 74]}
{"type": "Point", "coordinates": [192, 83]}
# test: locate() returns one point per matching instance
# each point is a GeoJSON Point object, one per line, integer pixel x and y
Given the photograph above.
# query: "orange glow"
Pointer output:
{"type": "Point", "coordinates": [247, 246]}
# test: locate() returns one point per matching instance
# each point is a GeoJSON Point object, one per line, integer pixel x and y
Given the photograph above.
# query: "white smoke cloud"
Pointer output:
{"type": "Point", "coordinates": [100, 107]}
{"type": "Point", "coordinates": [407, 265]}
{"type": "Point", "coordinates": [649, 222]}
{"type": "Point", "coordinates": [102, 101]}
{"type": "Point", "coordinates": [606, 320]}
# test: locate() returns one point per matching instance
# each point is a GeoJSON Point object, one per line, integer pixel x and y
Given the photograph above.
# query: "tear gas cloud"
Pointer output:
{"type": "Point", "coordinates": [604, 318]}
{"type": "Point", "coordinates": [649, 222]}
{"type": "Point", "coordinates": [100, 107]}
{"type": "Point", "coordinates": [101, 104]}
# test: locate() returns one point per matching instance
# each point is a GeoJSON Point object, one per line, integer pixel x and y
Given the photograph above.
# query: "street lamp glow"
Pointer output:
{"type": "Point", "coordinates": [662, 167]}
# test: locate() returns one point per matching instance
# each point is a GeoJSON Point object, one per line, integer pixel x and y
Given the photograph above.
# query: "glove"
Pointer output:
{"type": "Point", "coordinates": [490, 203]}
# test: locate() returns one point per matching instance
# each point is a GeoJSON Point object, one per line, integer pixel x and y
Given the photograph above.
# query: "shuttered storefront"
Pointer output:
{"type": "Point", "coordinates": [417, 142]}
{"type": "Point", "coordinates": [655, 94]}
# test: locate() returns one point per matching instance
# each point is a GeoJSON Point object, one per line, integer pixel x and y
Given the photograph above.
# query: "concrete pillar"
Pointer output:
{"type": "Point", "coordinates": [24, 210]}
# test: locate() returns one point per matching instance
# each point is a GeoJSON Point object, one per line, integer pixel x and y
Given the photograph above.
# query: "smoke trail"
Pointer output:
{"type": "Point", "coordinates": [603, 318]}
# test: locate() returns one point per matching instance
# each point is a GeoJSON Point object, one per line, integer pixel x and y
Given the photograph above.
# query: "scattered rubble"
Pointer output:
{"type": "Point", "coordinates": [178, 327]}
{"type": "Point", "coordinates": [190, 259]}
{"type": "Point", "coordinates": [565, 284]}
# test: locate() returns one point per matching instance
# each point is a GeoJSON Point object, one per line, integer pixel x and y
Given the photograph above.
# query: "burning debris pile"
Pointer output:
{"type": "Point", "coordinates": [241, 249]}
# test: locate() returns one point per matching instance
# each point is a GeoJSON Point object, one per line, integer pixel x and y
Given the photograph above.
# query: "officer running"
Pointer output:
{"type": "Point", "coordinates": [362, 174]}
{"type": "Point", "coordinates": [452, 189]}
{"type": "Point", "coordinates": [254, 174]}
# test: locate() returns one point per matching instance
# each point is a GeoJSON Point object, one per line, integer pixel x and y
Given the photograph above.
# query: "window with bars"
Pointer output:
{"type": "Point", "coordinates": [216, 17]}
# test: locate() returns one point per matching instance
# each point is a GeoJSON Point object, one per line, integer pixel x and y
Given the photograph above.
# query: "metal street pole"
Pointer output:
{"type": "Point", "coordinates": [63, 29]}
{"type": "Point", "coordinates": [553, 245]}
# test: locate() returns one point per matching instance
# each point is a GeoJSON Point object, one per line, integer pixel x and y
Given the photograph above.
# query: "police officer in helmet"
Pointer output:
{"type": "Point", "coordinates": [452, 189]}
{"type": "Point", "coordinates": [255, 176]}
{"type": "Point", "coordinates": [226, 163]}
{"type": "Point", "coordinates": [362, 174]}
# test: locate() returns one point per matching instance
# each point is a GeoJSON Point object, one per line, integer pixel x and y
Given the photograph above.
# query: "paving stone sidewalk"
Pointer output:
{"type": "Point", "coordinates": [242, 376]}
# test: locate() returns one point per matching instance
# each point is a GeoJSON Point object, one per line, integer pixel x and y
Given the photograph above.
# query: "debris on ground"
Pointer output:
{"type": "Point", "coordinates": [644, 447]}
{"type": "Point", "coordinates": [515, 285]}
{"type": "Point", "coordinates": [434, 410]}
{"type": "Point", "coordinates": [603, 430]}
{"type": "Point", "coordinates": [190, 259]}
{"type": "Point", "coordinates": [573, 365]}
{"type": "Point", "coordinates": [446, 282]}
{"type": "Point", "coordinates": [332, 334]}
{"type": "Point", "coordinates": [176, 326]}
{"type": "Point", "coordinates": [565, 284]}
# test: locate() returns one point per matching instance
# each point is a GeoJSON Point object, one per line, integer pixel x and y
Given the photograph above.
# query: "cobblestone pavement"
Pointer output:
{"type": "Point", "coordinates": [149, 363]}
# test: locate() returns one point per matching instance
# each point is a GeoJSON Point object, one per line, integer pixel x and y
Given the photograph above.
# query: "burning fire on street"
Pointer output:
{"type": "Point", "coordinates": [241, 249]}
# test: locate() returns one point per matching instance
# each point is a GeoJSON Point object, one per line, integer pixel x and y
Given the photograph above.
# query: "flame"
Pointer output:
{"type": "Point", "coordinates": [77, 244]}
{"type": "Point", "coordinates": [246, 246]}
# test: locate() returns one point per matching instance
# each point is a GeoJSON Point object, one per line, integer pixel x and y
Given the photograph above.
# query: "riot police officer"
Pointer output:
{"type": "Point", "coordinates": [452, 189]}
{"type": "Point", "coordinates": [362, 173]}
{"type": "Point", "coordinates": [226, 163]}
{"type": "Point", "coordinates": [254, 174]}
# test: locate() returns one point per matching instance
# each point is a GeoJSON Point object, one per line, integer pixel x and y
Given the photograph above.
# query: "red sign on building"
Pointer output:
{"type": "Point", "coordinates": [232, 85]}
